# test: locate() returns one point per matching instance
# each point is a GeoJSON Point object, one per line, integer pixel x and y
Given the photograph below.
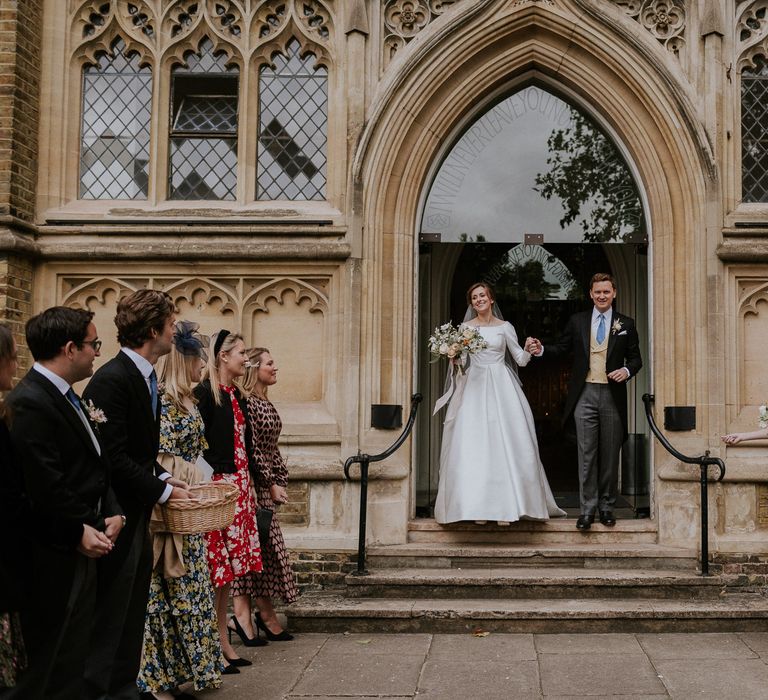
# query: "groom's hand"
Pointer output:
{"type": "Point", "coordinates": [619, 375]}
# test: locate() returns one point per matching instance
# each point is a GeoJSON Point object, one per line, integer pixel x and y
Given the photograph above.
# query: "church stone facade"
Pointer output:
{"type": "Point", "coordinates": [266, 163]}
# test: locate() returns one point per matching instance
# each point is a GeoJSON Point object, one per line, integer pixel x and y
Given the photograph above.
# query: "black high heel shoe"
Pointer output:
{"type": "Point", "coordinates": [244, 638]}
{"type": "Point", "coordinates": [283, 636]}
{"type": "Point", "coordinates": [229, 670]}
{"type": "Point", "coordinates": [237, 662]}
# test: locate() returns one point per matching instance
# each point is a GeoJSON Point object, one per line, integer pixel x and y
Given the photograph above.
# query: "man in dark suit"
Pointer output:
{"type": "Point", "coordinates": [126, 389]}
{"type": "Point", "coordinates": [606, 354]}
{"type": "Point", "coordinates": [73, 517]}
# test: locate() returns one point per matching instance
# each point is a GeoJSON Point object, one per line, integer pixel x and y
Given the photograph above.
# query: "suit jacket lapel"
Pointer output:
{"type": "Point", "coordinates": [64, 406]}
{"type": "Point", "coordinates": [611, 335]}
{"type": "Point", "coordinates": [139, 386]}
{"type": "Point", "coordinates": [586, 328]}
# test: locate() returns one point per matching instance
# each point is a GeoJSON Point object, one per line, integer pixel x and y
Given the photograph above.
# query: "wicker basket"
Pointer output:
{"type": "Point", "coordinates": [213, 508]}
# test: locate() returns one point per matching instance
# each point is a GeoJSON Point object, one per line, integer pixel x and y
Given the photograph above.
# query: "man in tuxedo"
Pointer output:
{"type": "Point", "coordinates": [72, 516]}
{"type": "Point", "coordinates": [125, 388]}
{"type": "Point", "coordinates": [606, 354]}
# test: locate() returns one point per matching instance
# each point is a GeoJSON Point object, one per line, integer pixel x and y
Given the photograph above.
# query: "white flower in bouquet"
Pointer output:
{"type": "Point", "coordinates": [455, 343]}
{"type": "Point", "coordinates": [763, 417]}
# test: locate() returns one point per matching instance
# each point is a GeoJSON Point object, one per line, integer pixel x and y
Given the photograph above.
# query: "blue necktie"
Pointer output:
{"type": "Point", "coordinates": [153, 390]}
{"type": "Point", "coordinates": [600, 337]}
{"type": "Point", "coordinates": [73, 399]}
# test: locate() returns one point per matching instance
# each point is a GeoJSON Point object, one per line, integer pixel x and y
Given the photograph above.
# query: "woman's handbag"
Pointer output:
{"type": "Point", "coordinates": [263, 523]}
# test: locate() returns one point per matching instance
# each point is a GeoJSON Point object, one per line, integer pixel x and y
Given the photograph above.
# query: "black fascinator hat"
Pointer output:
{"type": "Point", "coordinates": [188, 341]}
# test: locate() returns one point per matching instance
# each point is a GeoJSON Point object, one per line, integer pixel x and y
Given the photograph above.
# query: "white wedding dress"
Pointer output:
{"type": "Point", "coordinates": [489, 461]}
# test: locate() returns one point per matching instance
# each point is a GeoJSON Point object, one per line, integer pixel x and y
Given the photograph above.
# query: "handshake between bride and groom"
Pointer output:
{"type": "Point", "coordinates": [490, 468]}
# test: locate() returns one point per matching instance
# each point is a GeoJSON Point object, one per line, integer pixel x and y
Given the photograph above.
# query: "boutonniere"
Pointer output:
{"type": "Point", "coordinates": [95, 414]}
{"type": "Point", "coordinates": [616, 327]}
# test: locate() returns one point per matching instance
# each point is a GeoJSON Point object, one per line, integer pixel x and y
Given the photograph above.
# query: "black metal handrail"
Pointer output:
{"type": "Point", "coordinates": [704, 461]}
{"type": "Point", "coordinates": [364, 461]}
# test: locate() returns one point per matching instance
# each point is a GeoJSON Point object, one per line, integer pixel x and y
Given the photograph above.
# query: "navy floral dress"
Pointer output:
{"type": "Point", "coordinates": [181, 638]}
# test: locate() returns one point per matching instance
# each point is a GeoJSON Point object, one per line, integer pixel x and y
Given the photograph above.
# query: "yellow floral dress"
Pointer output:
{"type": "Point", "coordinates": [181, 639]}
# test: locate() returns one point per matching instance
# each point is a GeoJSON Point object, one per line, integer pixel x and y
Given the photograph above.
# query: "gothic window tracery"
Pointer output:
{"type": "Point", "coordinates": [115, 118]}
{"type": "Point", "coordinates": [293, 127]}
{"type": "Point", "coordinates": [193, 54]}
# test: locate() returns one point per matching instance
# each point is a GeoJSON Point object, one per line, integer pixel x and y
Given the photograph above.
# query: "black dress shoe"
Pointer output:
{"type": "Point", "coordinates": [236, 662]}
{"type": "Point", "coordinates": [229, 670]}
{"type": "Point", "coordinates": [585, 522]}
{"type": "Point", "coordinates": [607, 519]}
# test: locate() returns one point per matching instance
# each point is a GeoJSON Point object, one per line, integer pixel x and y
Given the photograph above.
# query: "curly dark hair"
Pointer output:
{"type": "Point", "coordinates": [139, 314]}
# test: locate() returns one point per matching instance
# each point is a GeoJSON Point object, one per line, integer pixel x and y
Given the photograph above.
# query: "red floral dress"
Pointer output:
{"type": "Point", "coordinates": [235, 552]}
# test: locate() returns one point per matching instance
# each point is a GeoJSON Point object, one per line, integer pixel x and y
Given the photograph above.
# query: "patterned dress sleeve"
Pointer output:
{"type": "Point", "coordinates": [256, 418]}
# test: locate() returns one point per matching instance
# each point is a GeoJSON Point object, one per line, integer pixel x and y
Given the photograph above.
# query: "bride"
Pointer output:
{"type": "Point", "coordinates": [489, 461]}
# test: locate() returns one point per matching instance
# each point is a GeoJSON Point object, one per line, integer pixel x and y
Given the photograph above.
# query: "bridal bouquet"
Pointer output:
{"type": "Point", "coordinates": [455, 343]}
{"type": "Point", "coordinates": [763, 417]}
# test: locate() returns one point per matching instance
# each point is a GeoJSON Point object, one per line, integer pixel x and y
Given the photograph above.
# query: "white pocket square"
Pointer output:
{"type": "Point", "coordinates": [623, 333]}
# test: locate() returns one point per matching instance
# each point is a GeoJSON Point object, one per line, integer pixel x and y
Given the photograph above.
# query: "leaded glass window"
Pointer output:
{"type": "Point", "coordinates": [293, 127]}
{"type": "Point", "coordinates": [754, 132]}
{"type": "Point", "coordinates": [114, 142]}
{"type": "Point", "coordinates": [203, 150]}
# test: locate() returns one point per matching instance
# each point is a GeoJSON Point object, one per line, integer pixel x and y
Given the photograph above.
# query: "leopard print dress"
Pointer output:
{"type": "Point", "coordinates": [276, 579]}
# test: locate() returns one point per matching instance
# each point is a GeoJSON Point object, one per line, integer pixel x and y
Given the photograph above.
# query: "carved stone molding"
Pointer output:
{"type": "Point", "coordinates": [165, 29]}
{"type": "Point", "coordinates": [751, 32]}
{"type": "Point", "coordinates": [752, 337]}
{"type": "Point", "coordinates": [404, 19]}
{"type": "Point", "coordinates": [664, 19]}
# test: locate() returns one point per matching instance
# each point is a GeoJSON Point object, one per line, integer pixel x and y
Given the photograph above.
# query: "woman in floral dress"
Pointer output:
{"type": "Point", "coordinates": [277, 579]}
{"type": "Point", "coordinates": [234, 552]}
{"type": "Point", "coordinates": [181, 642]}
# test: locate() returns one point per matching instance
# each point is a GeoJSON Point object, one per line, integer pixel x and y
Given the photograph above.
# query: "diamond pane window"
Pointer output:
{"type": "Point", "coordinates": [203, 145]}
{"type": "Point", "coordinates": [293, 128]}
{"type": "Point", "coordinates": [754, 132]}
{"type": "Point", "coordinates": [116, 110]}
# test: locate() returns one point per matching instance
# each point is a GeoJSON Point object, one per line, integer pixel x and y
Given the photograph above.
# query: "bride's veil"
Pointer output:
{"type": "Point", "coordinates": [449, 386]}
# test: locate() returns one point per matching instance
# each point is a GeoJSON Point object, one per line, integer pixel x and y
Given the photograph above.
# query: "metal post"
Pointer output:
{"type": "Point", "coordinates": [364, 463]}
{"type": "Point", "coordinates": [704, 522]}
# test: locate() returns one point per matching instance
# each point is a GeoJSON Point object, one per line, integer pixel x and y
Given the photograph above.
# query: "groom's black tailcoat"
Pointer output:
{"type": "Point", "coordinates": [62, 484]}
{"type": "Point", "coordinates": [623, 351]}
{"type": "Point", "coordinates": [131, 436]}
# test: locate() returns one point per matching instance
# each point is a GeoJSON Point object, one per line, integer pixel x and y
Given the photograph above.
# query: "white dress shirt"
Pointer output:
{"type": "Point", "coordinates": [146, 368]}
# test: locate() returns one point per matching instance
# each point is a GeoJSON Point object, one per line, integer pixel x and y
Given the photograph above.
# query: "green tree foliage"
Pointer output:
{"type": "Point", "coordinates": [591, 178]}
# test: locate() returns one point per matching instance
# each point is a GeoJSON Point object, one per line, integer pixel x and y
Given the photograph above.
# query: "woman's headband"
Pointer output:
{"type": "Point", "coordinates": [220, 338]}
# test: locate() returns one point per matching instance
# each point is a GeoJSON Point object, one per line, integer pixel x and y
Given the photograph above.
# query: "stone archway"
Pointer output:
{"type": "Point", "coordinates": [602, 63]}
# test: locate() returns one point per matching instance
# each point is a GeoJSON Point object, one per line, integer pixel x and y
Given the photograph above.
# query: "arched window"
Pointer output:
{"type": "Point", "coordinates": [293, 127]}
{"type": "Point", "coordinates": [114, 133]}
{"type": "Point", "coordinates": [534, 164]}
{"type": "Point", "coordinates": [754, 132]}
{"type": "Point", "coordinates": [203, 147]}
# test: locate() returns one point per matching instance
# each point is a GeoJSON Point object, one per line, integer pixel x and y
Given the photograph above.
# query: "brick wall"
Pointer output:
{"type": "Point", "coordinates": [296, 511]}
{"type": "Point", "coordinates": [316, 570]}
{"type": "Point", "coordinates": [20, 42]}
{"type": "Point", "coordinates": [16, 301]}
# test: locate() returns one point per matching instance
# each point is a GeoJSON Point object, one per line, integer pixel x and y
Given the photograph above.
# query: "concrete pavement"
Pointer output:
{"type": "Point", "coordinates": [504, 666]}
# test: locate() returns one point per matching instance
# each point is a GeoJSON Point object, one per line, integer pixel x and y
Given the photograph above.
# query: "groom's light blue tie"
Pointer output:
{"type": "Point", "coordinates": [153, 390]}
{"type": "Point", "coordinates": [600, 337]}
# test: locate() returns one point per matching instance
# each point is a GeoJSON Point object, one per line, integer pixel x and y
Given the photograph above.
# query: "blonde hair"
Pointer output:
{"type": "Point", "coordinates": [250, 379]}
{"type": "Point", "coordinates": [174, 370]}
{"type": "Point", "coordinates": [211, 372]}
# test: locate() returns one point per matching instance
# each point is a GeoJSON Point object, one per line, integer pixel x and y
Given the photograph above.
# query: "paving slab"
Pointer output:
{"type": "Point", "coordinates": [405, 644]}
{"type": "Point", "coordinates": [695, 646]}
{"type": "Point", "coordinates": [587, 644]}
{"type": "Point", "coordinates": [756, 641]}
{"type": "Point", "coordinates": [598, 674]}
{"type": "Point", "coordinates": [489, 680]}
{"type": "Point", "coordinates": [494, 647]}
{"type": "Point", "coordinates": [738, 678]}
{"type": "Point", "coordinates": [362, 673]}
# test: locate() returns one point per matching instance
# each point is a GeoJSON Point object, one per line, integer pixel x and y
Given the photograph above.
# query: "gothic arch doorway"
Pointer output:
{"type": "Point", "coordinates": [533, 195]}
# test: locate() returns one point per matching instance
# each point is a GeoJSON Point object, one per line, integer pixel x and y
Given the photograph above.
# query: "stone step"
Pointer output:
{"type": "Point", "coordinates": [333, 613]}
{"type": "Point", "coordinates": [555, 531]}
{"type": "Point", "coordinates": [589, 555]}
{"type": "Point", "coordinates": [512, 583]}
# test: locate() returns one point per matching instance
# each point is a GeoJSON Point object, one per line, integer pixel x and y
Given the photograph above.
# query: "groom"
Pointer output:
{"type": "Point", "coordinates": [606, 354]}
